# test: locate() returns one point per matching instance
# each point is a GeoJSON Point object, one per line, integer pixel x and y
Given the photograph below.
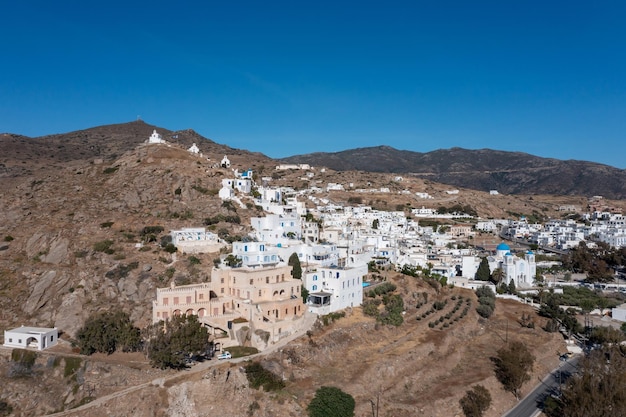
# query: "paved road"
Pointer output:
{"type": "Point", "coordinates": [530, 405]}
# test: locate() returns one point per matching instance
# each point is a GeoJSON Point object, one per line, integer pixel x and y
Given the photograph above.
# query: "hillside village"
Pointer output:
{"type": "Point", "coordinates": [250, 295]}
{"type": "Point", "coordinates": [335, 245]}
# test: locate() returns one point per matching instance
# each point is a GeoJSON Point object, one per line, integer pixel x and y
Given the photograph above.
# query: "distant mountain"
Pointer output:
{"type": "Point", "coordinates": [483, 169]}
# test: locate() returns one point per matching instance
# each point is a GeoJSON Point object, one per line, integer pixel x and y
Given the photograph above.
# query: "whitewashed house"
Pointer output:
{"type": "Point", "coordinates": [39, 338]}
{"type": "Point", "coordinates": [332, 288]}
{"type": "Point", "coordinates": [195, 240]}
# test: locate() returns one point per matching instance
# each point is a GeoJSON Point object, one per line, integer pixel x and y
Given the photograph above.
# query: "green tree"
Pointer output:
{"type": "Point", "coordinates": [331, 402]}
{"type": "Point", "coordinates": [233, 261]}
{"type": "Point", "coordinates": [513, 364]}
{"type": "Point", "coordinates": [596, 390]}
{"type": "Point", "coordinates": [296, 268]}
{"type": "Point", "coordinates": [394, 305]}
{"type": "Point", "coordinates": [173, 342]}
{"type": "Point", "coordinates": [497, 275]}
{"type": "Point", "coordinates": [511, 288]}
{"type": "Point", "coordinates": [483, 273]}
{"type": "Point", "coordinates": [107, 332]}
{"type": "Point", "coordinates": [260, 377]}
{"type": "Point", "coordinates": [476, 401]}
{"type": "Point", "coordinates": [486, 301]}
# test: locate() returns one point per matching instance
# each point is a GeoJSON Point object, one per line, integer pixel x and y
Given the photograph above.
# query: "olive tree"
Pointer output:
{"type": "Point", "coordinates": [513, 364]}
{"type": "Point", "coordinates": [476, 401]}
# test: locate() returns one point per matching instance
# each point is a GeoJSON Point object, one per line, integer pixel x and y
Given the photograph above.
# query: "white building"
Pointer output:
{"type": "Point", "coordinates": [155, 138]}
{"type": "Point", "coordinates": [521, 271]}
{"type": "Point", "coordinates": [256, 253]}
{"type": "Point", "coordinates": [332, 288]}
{"type": "Point", "coordinates": [39, 338]}
{"type": "Point", "coordinates": [195, 240]}
{"type": "Point", "coordinates": [194, 149]}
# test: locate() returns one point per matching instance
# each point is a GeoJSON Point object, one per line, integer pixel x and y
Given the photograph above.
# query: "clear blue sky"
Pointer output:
{"type": "Point", "coordinates": [293, 77]}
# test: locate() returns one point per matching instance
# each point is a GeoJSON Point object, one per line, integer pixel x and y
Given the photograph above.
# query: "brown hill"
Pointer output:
{"type": "Point", "coordinates": [413, 369]}
{"type": "Point", "coordinates": [482, 169]}
{"type": "Point", "coordinates": [65, 197]}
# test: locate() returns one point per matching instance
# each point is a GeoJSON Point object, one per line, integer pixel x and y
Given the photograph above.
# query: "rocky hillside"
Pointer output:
{"type": "Point", "coordinates": [413, 369]}
{"type": "Point", "coordinates": [483, 170]}
{"type": "Point", "coordinates": [74, 208]}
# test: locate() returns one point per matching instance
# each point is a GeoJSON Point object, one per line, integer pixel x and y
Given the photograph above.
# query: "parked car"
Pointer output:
{"type": "Point", "coordinates": [224, 355]}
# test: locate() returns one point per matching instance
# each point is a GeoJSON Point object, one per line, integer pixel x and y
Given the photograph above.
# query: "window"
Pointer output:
{"type": "Point", "coordinates": [165, 301]}
{"type": "Point", "coordinates": [188, 299]}
{"type": "Point", "coordinates": [252, 282]}
{"type": "Point", "coordinates": [175, 300]}
{"type": "Point", "coordinates": [201, 296]}
{"type": "Point", "coordinates": [10, 340]}
{"type": "Point", "coordinates": [267, 280]}
{"type": "Point", "coordinates": [260, 293]}
{"type": "Point", "coordinates": [222, 290]}
{"type": "Point", "coordinates": [19, 341]}
{"type": "Point", "coordinates": [51, 338]}
{"type": "Point", "coordinates": [222, 280]}
{"type": "Point", "coordinates": [314, 287]}
{"type": "Point", "coordinates": [314, 277]}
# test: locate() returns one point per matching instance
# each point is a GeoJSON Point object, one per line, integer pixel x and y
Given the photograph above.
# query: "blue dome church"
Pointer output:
{"type": "Point", "coordinates": [521, 271]}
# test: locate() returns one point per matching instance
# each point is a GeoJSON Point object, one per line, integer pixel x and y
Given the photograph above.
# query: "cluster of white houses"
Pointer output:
{"type": "Point", "coordinates": [252, 294]}
{"type": "Point", "coordinates": [260, 293]}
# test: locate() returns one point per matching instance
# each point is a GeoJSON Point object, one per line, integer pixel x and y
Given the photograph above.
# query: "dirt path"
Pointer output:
{"type": "Point", "coordinates": [307, 324]}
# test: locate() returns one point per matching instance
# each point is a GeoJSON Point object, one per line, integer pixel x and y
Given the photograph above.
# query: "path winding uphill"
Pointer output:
{"type": "Point", "coordinates": [182, 376]}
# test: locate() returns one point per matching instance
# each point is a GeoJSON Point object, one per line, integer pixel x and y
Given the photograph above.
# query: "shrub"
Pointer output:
{"type": "Point", "coordinates": [261, 377]}
{"type": "Point", "coordinates": [439, 305]}
{"type": "Point", "coordinates": [476, 401]}
{"type": "Point", "coordinates": [154, 230]}
{"type": "Point", "coordinates": [121, 271]}
{"type": "Point", "coordinates": [104, 246]}
{"type": "Point", "coordinates": [106, 225]}
{"type": "Point", "coordinates": [370, 307]}
{"type": "Point", "coordinates": [170, 248]}
{"type": "Point", "coordinates": [484, 311]}
{"type": "Point", "coordinates": [331, 401]}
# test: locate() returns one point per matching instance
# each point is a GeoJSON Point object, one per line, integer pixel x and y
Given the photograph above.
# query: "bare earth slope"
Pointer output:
{"type": "Point", "coordinates": [405, 371]}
